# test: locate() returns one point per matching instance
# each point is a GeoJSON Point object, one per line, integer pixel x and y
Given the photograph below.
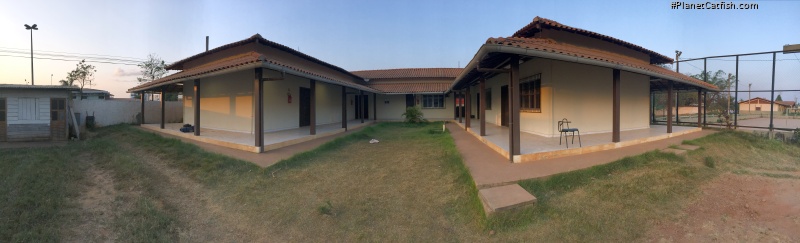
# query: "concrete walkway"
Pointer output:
{"type": "Point", "coordinates": [490, 169]}
{"type": "Point", "coordinates": [261, 159]}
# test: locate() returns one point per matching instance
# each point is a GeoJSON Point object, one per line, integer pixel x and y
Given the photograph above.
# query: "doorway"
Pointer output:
{"type": "Point", "coordinates": [305, 107]}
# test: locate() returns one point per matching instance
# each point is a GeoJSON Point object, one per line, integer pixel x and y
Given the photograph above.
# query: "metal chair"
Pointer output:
{"type": "Point", "coordinates": [563, 132]}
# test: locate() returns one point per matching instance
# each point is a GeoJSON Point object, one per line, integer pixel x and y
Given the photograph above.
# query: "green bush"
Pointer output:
{"type": "Point", "coordinates": [414, 115]}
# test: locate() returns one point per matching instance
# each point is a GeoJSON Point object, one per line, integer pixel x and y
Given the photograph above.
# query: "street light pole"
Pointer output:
{"type": "Point", "coordinates": [31, 28]}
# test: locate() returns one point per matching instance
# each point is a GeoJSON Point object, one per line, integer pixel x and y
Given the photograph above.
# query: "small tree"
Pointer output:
{"type": "Point", "coordinates": [83, 74]}
{"type": "Point", "coordinates": [152, 69]}
{"type": "Point", "coordinates": [414, 115]}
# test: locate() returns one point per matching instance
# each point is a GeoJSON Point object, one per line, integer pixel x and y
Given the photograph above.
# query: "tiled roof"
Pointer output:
{"type": "Point", "coordinates": [766, 101]}
{"type": "Point", "coordinates": [410, 87]}
{"type": "Point", "coordinates": [409, 73]}
{"type": "Point", "coordinates": [538, 23]}
{"type": "Point", "coordinates": [248, 58]}
{"type": "Point", "coordinates": [548, 45]}
{"type": "Point", "coordinates": [786, 103]}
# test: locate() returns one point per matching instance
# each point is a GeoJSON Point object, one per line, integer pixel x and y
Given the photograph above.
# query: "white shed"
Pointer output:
{"type": "Point", "coordinates": [34, 112]}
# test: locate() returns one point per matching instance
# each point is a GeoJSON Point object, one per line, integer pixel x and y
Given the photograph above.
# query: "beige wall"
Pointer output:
{"type": "Point", "coordinates": [227, 102]}
{"type": "Point", "coordinates": [764, 107]}
{"type": "Point", "coordinates": [580, 93]}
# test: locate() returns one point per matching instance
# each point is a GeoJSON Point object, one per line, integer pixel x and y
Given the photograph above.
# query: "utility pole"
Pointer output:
{"type": "Point", "coordinates": [749, 101]}
{"type": "Point", "coordinates": [31, 28]}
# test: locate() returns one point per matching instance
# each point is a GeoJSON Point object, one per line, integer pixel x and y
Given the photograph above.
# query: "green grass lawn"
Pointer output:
{"type": "Point", "coordinates": [412, 186]}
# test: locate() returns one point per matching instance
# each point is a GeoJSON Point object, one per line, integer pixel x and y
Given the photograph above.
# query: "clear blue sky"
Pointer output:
{"type": "Point", "coordinates": [357, 35]}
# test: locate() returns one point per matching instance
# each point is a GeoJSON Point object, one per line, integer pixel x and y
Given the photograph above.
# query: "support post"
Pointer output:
{"type": "Point", "coordinates": [736, 97]}
{"type": "Point", "coordinates": [677, 107]}
{"type": "Point", "coordinates": [196, 106]}
{"type": "Point", "coordinates": [772, 97]}
{"type": "Point", "coordinates": [361, 110]}
{"type": "Point", "coordinates": [482, 112]}
{"type": "Point", "coordinates": [163, 105]}
{"type": "Point", "coordinates": [344, 108]}
{"type": "Point", "coordinates": [513, 104]}
{"type": "Point", "coordinates": [374, 106]}
{"type": "Point", "coordinates": [705, 106]}
{"type": "Point", "coordinates": [258, 107]}
{"type": "Point", "coordinates": [468, 106]}
{"type": "Point", "coordinates": [616, 109]}
{"type": "Point", "coordinates": [458, 111]}
{"type": "Point", "coordinates": [699, 106]}
{"type": "Point", "coordinates": [141, 95]}
{"type": "Point", "coordinates": [312, 88]}
{"type": "Point", "coordinates": [669, 107]}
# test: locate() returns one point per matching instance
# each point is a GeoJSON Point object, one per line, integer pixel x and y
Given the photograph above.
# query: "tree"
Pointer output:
{"type": "Point", "coordinates": [83, 74]}
{"type": "Point", "coordinates": [152, 69]}
{"type": "Point", "coordinates": [779, 98]}
{"type": "Point", "coordinates": [66, 82]}
{"type": "Point", "coordinates": [719, 102]}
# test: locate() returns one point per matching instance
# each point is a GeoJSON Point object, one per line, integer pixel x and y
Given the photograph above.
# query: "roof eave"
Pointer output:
{"type": "Point", "coordinates": [499, 48]}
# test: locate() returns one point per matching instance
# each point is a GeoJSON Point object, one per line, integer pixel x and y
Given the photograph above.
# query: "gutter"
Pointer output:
{"type": "Point", "coordinates": [492, 48]}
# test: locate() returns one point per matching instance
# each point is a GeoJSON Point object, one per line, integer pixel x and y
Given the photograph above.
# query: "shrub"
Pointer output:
{"type": "Point", "coordinates": [414, 115]}
{"type": "Point", "coordinates": [709, 162]}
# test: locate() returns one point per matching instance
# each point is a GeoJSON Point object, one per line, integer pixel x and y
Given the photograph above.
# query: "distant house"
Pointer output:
{"type": "Point", "coordinates": [34, 112]}
{"type": "Point", "coordinates": [761, 104]}
{"type": "Point", "coordinates": [92, 94]}
{"type": "Point", "coordinates": [425, 88]}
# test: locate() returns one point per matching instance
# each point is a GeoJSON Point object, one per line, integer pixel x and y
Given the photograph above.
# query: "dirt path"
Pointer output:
{"type": "Point", "coordinates": [97, 209]}
{"type": "Point", "coordinates": [734, 208]}
{"type": "Point", "coordinates": [202, 218]}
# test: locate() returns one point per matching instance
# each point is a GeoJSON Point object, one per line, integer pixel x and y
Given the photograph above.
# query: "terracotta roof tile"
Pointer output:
{"type": "Point", "coordinates": [538, 23]}
{"type": "Point", "coordinates": [410, 87]}
{"type": "Point", "coordinates": [549, 45]}
{"type": "Point", "coordinates": [235, 61]}
{"type": "Point", "coordinates": [410, 73]}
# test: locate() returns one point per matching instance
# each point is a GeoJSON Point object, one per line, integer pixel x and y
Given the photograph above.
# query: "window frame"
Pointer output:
{"type": "Point", "coordinates": [530, 94]}
{"type": "Point", "coordinates": [429, 101]}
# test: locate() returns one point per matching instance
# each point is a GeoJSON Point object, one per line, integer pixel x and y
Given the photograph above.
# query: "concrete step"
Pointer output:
{"type": "Point", "coordinates": [688, 147]}
{"type": "Point", "coordinates": [504, 198]}
{"type": "Point", "coordinates": [674, 151]}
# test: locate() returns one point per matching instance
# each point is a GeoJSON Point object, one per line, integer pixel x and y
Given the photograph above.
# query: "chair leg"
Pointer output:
{"type": "Point", "coordinates": [579, 139]}
{"type": "Point", "coordinates": [573, 137]}
{"type": "Point", "coordinates": [559, 137]}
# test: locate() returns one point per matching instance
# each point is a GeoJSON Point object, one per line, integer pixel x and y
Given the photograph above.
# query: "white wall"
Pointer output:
{"type": "Point", "coordinates": [117, 111]}
{"type": "Point", "coordinates": [581, 93]}
{"type": "Point", "coordinates": [227, 102]}
{"type": "Point", "coordinates": [397, 106]}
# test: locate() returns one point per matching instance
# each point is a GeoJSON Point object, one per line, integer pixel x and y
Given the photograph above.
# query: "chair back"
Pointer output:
{"type": "Point", "coordinates": [562, 123]}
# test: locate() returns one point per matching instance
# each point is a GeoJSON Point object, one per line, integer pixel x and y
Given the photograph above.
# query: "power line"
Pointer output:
{"type": "Point", "coordinates": [72, 53]}
{"type": "Point", "coordinates": [77, 57]}
{"type": "Point", "coordinates": [71, 60]}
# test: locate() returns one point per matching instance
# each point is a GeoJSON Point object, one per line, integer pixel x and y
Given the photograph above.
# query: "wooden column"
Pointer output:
{"type": "Point", "coordinates": [163, 105]}
{"type": "Point", "coordinates": [669, 107]}
{"type": "Point", "coordinates": [374, 106]}
{"type": "Point", "coordinates": [705, 106]}
{"type": "Point", "coordinates": [677, 107]}
{"type": "Point", "coordinates": [258, 109]}
{"type": "Point", "coordinates": [482, 112]}
{"type": "Point", "coordinates": [699, 106]}
{"type": "Point", "coordinates": [468, 107]}
{"type": "Point", "coordinates": [616, 107]}
{"type": "Point", "coordinates": [361, 108]}
{"type": "Point", "coordinates": [312, 87]}
{"type": "Point", "coordinates": [513, 104]}
{"type": "Point", "coordinates": [196, 106]}
{"type": "Point", "coordinates": [141, 95]}
{"type": "Point", "coordinates": [344, 108]}
{"type": "Point", "coordinates": [455, 105]}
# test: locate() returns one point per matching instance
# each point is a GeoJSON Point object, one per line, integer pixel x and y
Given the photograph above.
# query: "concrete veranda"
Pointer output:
{"type": "Point", "coordinates": [489, 168]}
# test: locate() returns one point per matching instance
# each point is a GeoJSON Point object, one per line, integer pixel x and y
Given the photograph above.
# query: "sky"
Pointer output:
{"type": "Point", "coordinates": [362, 35]}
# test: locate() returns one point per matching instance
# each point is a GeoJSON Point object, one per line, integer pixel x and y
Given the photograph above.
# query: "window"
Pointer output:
{"type": "Point", "coordinates": [433, 101]}
{"type": "Point", "coordinates": [102, 97]}
{"type": "Point", "coordinates": [57, 107]}
{"type": "Point", "coordinates": [83, 97]}
{"type": "Point", "coordinates": [530, 90]}
{"type": "Point", "coordinates": [488, 99]}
